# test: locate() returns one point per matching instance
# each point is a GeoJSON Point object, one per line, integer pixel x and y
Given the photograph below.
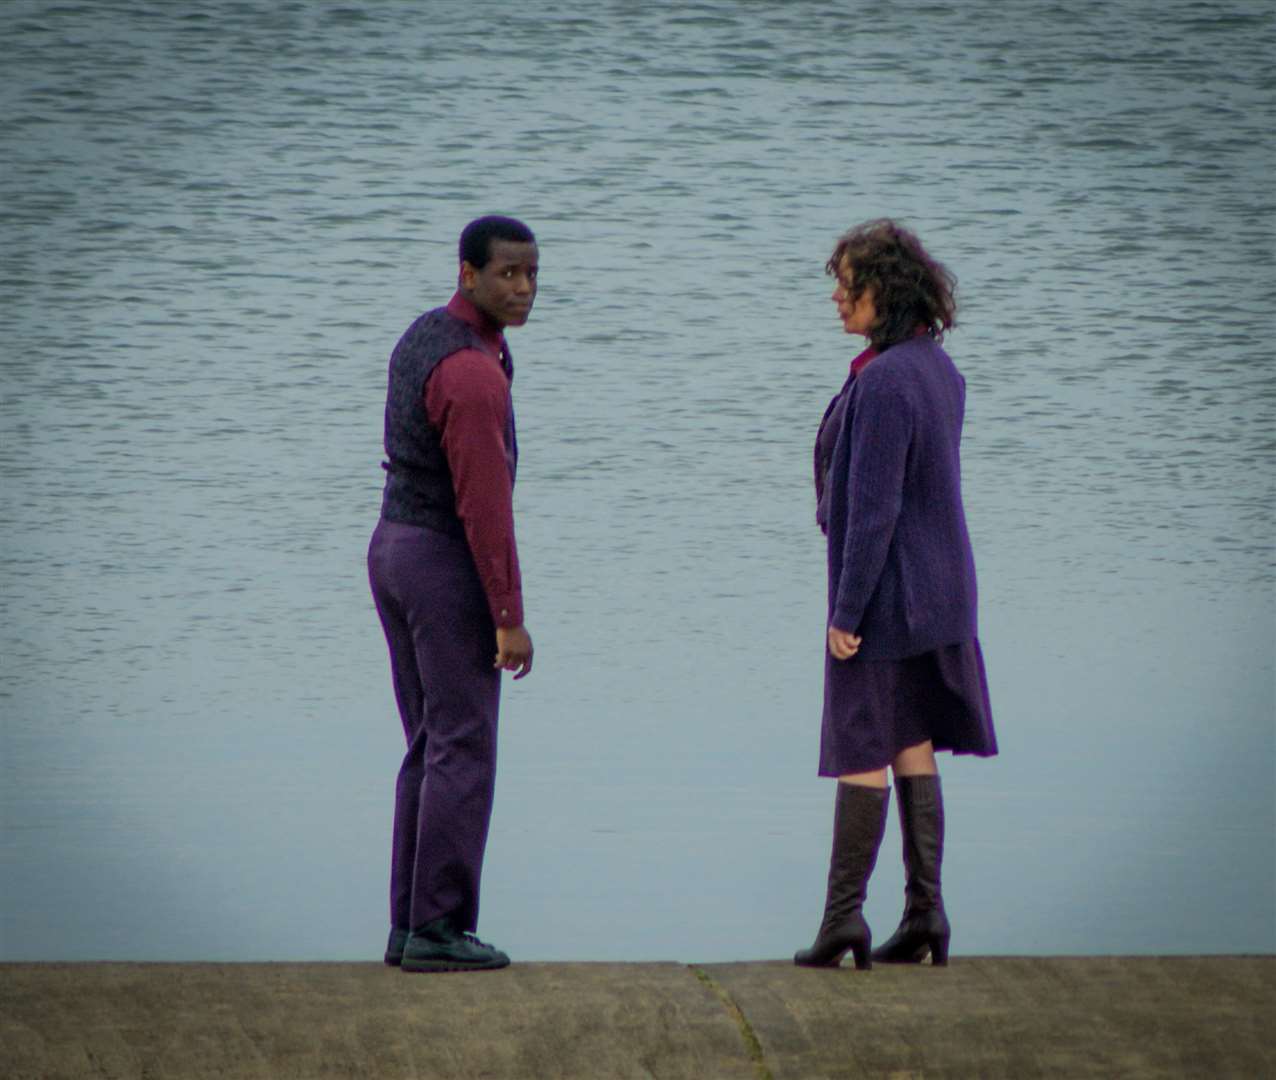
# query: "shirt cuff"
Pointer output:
{"type": "Point", "coordinates": [507, 611]}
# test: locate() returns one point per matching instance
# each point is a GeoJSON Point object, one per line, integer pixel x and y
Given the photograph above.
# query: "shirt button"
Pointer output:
{"type": "Point", "coordinates": [504, 611]}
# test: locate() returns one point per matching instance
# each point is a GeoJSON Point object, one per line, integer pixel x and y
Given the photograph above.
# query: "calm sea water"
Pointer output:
{"type": "Point", "coordinates": [216, 219]}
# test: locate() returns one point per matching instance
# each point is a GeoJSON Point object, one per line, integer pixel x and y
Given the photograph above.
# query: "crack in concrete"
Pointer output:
{"type": "Point", "coordinates": [751, 1042]}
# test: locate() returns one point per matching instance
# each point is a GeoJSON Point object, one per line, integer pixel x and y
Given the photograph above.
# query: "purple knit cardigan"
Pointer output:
{"type": "Point", "coordinates": [901, 571]}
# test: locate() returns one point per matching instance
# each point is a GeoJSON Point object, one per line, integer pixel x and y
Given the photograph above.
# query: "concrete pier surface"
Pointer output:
{"type": "Point", "coordinates": [980, 1017]}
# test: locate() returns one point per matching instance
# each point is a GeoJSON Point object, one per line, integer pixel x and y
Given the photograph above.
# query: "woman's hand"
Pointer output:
{"type": "Point", "coordinates": [843, 644]}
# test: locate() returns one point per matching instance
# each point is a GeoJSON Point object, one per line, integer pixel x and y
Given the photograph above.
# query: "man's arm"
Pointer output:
{"type": "Point", "coordinates": [467, 400]}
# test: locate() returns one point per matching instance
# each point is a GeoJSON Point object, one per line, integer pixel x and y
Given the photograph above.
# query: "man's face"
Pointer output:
{"type": "Point", "coordinates": [506, 287]}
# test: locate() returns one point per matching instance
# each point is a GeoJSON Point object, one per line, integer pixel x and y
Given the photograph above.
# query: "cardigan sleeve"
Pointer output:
{"type": "Point", "coordinates": [882, 422]}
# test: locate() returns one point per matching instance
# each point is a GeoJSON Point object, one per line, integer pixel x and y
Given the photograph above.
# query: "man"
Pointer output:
{"type": "Point", "coordinates": [445, 578]}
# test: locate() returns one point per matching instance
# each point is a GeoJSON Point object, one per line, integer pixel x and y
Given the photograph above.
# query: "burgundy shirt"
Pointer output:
{"type": "Point", "coordinates": [467, 399]}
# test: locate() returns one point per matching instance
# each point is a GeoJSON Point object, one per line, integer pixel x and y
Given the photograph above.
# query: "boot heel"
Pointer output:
{"type": "Point", "coordinates": [939, 951]}
{"type": "Point", "coordinates": [863, 953]}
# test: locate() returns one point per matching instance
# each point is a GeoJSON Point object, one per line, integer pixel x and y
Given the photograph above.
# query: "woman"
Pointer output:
{"type": "Point", "coordinates": [903, 673]}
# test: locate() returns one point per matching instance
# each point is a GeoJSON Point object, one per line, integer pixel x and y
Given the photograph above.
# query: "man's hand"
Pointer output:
{"type": "Point", "coordinates": [843, 644]}
{"type": "Point", "coordinates": [514, 650]}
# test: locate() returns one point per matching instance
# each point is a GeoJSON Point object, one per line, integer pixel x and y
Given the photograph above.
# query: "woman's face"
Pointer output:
{"type": "Point", "coordinates": [859, 315]}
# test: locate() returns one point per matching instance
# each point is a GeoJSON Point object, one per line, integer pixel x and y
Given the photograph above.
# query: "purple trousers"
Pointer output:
{"type": "Point", "coordinates": [442, 643]}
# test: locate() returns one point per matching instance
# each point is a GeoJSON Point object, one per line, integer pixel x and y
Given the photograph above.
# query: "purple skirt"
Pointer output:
{"type": "Point", "coordinates": [873, 709]}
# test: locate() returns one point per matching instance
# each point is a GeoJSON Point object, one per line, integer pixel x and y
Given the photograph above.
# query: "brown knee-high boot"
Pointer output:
{"type": "Point", "coordinates": [859, 819]}
{"type": "Point", "coordinates": [924, 927]}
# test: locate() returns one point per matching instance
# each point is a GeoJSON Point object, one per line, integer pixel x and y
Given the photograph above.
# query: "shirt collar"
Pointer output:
{"type": "Point", "coordinates": [861, 361]}
{"type": "Point", "coordinates": [465, 310]}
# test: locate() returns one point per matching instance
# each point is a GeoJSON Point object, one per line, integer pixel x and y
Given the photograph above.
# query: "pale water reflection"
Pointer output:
{"type": "Point", "coordinates": [215, 221]}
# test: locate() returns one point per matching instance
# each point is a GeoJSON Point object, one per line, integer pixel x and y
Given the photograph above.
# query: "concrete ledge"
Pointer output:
{"type": "Point", "coordinates": [1015, 1017]}
{"type": "Point", "coordinates": [988, 1017]}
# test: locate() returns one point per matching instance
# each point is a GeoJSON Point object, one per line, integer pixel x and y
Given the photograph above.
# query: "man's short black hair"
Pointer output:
{"type": "Point", "coordinates": [477, 236]}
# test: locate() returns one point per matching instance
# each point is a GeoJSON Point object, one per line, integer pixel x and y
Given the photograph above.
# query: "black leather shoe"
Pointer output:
{"type": "Point", "coordinates": [394, 947]}
{"type": "Point", "coordinates": [439, 946]}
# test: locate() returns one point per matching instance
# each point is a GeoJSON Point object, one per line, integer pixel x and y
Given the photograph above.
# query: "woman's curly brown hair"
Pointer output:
{"type": "Point", "coordinates": [911, 290]}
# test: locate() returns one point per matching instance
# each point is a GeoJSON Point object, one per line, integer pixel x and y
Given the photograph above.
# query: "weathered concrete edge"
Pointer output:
{"type": "Point", "coordinates": [764, 1019]}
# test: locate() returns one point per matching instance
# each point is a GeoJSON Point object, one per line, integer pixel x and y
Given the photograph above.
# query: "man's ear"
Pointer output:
{"type": "Point", "coordinates": [467, 276]}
